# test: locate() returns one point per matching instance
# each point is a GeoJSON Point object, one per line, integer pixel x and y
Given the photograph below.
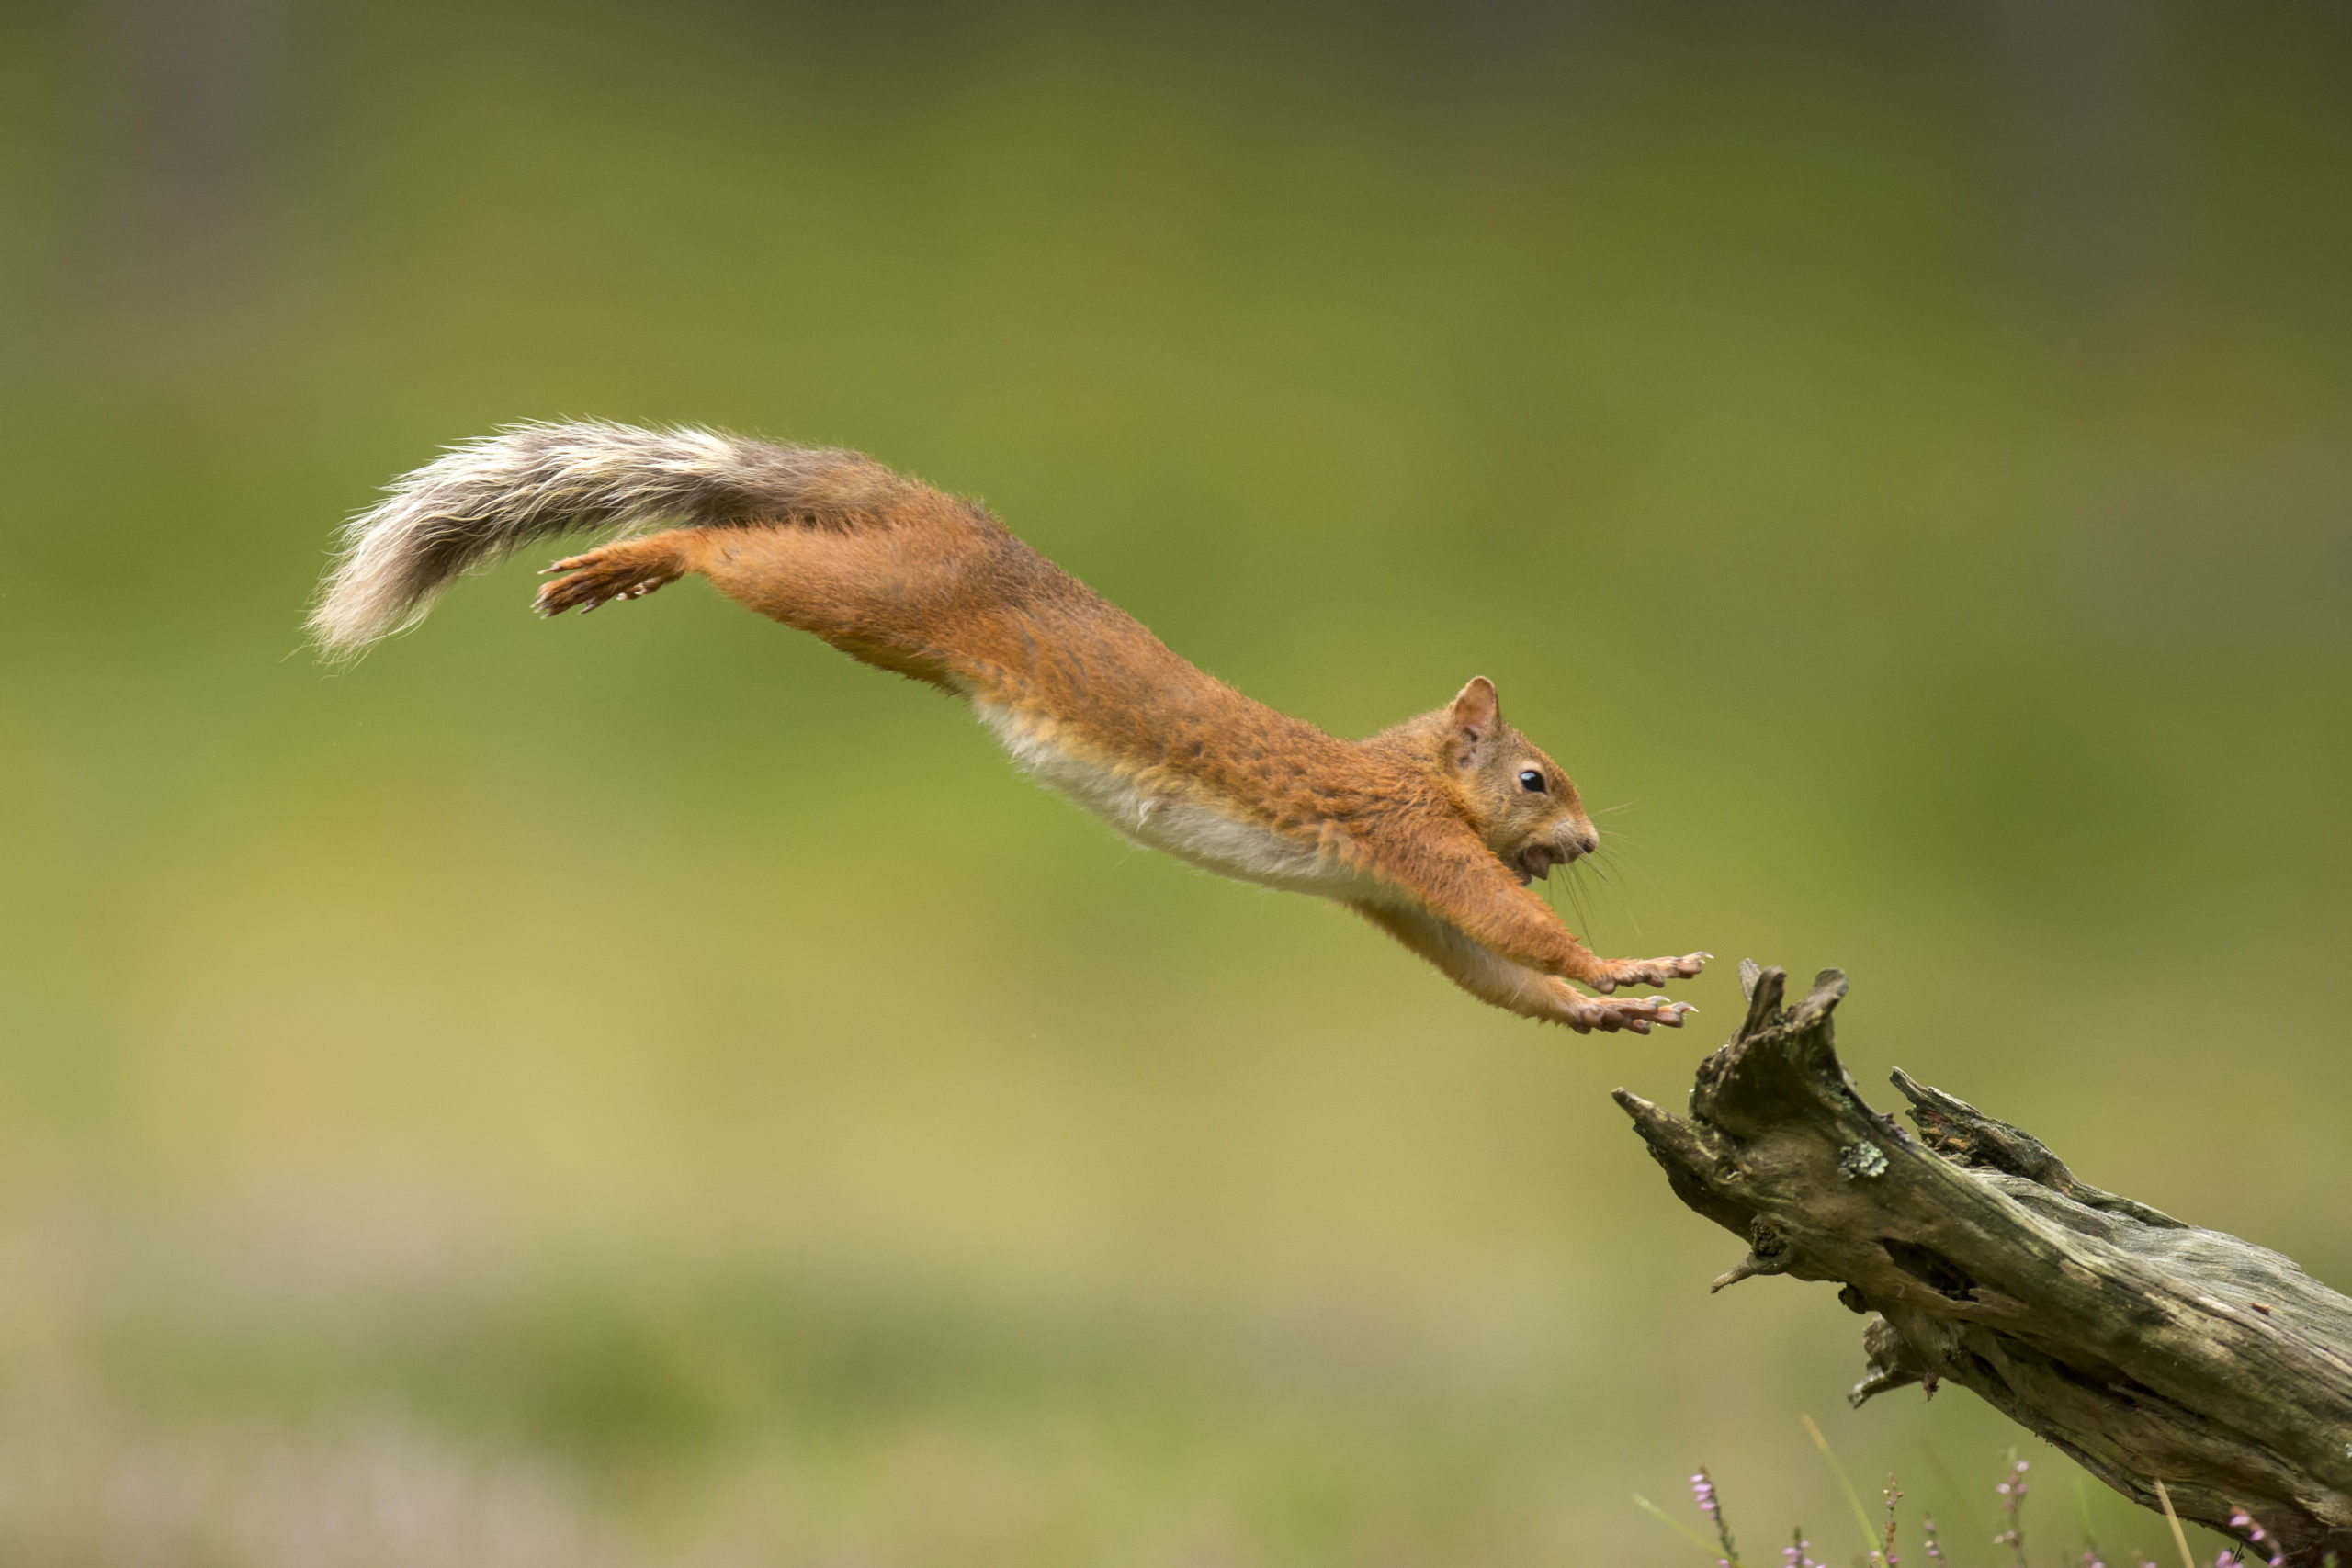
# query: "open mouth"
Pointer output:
{"type": "Point", "coordinates": [1534, 863]}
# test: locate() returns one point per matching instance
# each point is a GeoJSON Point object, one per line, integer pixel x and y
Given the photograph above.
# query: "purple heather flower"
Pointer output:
{"type": "Point", "coordinates": [1702, 1490]}
{"type": "Point", "coordinates": [2255, 1535]}
{"type": "Point", "coordinates": [2012, 1492]}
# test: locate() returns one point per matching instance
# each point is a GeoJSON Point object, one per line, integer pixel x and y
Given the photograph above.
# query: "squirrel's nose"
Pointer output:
{"type": "Point", "coordinates": [1587, 841]}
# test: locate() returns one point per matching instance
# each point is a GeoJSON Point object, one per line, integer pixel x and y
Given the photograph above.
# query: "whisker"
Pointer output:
{"type": "Point", "coordinates": [1617, 889]}
{"type": "Point", "coordinates": [1571, 885]}
{"type": "Point", "coordinates": [1553, 890]}
{"type": "Point", "coordinates": [1643, 871]}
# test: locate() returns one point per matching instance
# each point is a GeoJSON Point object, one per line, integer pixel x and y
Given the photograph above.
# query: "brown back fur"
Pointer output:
{"type": "Point", "coordinates": [1432, 828]}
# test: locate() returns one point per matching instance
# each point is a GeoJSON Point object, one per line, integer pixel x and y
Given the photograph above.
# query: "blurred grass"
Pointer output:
{"type": "Point", "coordinates": [648, 1089]}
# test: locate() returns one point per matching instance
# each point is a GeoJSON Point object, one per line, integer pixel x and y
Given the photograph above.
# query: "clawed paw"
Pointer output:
{"type": "Point", "coordinates": [598, 577]}
{"type": "Point", "coordinates": [1638, 1016]}
{"type": "Point", "coordinates": [1647, 971]}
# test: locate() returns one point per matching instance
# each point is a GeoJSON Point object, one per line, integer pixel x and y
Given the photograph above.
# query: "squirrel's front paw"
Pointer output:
{"type": "Point", "coordinates": [1616, 972]}
{"type": "Point", "coordinates": [1585, 1014]}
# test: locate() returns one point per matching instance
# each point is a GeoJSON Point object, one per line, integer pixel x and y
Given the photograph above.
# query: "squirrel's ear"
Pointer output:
{"type": "Point", "coordinates": [1476, 706]}
{"type": "Point", "coordinates": [1475, 711]}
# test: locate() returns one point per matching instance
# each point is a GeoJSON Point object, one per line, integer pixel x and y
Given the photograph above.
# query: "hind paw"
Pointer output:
{"type": "Point", "coordinates": [616, 571]}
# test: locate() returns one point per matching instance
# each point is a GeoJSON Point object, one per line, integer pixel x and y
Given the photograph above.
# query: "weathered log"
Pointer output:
{"type": "Point", "coordinates": [2148, 1350]}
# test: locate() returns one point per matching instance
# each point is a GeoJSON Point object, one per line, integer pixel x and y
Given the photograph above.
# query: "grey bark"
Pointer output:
{"type": "Point", "coordinates": [2147, 1348]}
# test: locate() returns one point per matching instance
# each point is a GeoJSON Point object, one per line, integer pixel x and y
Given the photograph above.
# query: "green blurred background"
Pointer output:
{"type": "Point", "coordinates": [648, 1090]}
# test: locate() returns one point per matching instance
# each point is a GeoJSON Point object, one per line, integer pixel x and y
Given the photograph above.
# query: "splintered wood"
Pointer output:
{"type": "Point", "coordinates": [2147, 1348]}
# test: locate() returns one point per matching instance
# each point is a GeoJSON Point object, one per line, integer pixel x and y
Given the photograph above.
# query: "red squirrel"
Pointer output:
{"type": "Point", "coordinates": [1431, 830]}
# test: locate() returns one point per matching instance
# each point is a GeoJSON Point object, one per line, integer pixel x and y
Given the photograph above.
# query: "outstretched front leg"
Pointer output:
{"type": "Point", "coordinates": [1615, 972]}
{"type": "Point", "coordinates": [1461, 882]}
{"type": "Point", "coordinates": [1515, 987]}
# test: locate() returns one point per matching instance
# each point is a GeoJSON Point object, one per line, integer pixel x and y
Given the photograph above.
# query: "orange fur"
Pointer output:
{"type": "Point", "coordinates": [1428, 828]}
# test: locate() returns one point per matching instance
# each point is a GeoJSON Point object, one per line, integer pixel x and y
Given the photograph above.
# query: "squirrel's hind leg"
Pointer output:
{"type": "Point", "coordinates": [629, 570]}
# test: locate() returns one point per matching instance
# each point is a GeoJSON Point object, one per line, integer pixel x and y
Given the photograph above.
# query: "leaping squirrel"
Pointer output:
{"type": "Point", "coordinates": [1431, 830]}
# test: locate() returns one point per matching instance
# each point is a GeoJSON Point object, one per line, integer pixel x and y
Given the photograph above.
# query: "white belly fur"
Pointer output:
{"type": "Point", "coordinates": [1197, 834]}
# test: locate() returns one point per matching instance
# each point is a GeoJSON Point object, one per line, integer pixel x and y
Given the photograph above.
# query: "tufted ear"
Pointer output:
{"type": "Point", "coordinates": [1476, 712]}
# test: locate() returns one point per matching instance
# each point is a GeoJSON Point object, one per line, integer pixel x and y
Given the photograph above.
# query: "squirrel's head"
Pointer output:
{"type": "Point", "coordinates": [1520, 801]}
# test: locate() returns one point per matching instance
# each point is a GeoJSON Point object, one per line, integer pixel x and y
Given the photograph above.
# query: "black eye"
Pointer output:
{"type": "Point", "coordinates": [1532, 780]}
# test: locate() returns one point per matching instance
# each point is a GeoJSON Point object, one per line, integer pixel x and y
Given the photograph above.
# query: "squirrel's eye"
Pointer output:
{"type": "Point", "coordinates": [1532, 780]}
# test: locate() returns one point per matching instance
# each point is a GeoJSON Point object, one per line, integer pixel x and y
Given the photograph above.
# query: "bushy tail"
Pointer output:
{"type": "Point", "coordinates": [479, 503]}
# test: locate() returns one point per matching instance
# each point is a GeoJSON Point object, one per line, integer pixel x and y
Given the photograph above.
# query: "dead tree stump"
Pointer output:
{"type": "Point", "coordinates": [2147, 1348]}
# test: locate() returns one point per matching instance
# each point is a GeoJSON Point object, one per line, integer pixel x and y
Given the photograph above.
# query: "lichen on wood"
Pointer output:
{"type": "Point", "coordinates": [2145, 1348]}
